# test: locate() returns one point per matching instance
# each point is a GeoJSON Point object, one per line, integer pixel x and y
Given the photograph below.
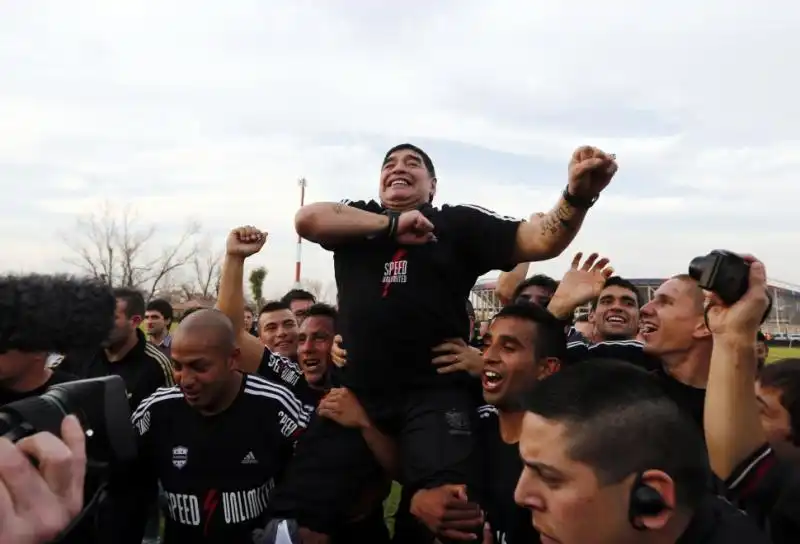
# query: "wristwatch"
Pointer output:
{"type": "Point", "coordinates": [580, 202]}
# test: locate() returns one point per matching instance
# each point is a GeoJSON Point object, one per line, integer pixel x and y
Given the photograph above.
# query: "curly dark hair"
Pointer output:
{"type": "Point", "coordinates": [54, 313]}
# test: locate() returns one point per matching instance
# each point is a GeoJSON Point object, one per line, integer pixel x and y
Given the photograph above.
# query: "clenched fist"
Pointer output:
{"type": "Point", "coordinates": [413, 228]}
{"type": "Point", "coordinates": [245, 241]}
{"type": "Point", "coordinates": [590, 171]}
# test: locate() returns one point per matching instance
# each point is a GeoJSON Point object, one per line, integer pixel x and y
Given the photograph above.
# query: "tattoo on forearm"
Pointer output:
{"type": "Point", "coordinates": [338, 208]}
{"type": "Point", "coordinates": [558, 220]}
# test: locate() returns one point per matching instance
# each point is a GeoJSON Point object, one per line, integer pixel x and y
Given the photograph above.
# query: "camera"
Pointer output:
{"type": "Point", "coordinates": [722, 272]}
{"type": "Point", "coordinates": [100, 404]}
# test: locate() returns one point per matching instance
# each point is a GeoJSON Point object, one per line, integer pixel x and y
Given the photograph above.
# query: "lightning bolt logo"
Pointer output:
{"type": "Point", "coordinates": [210, 505]}
{"type": "Point", "coordinates": [398, 256]}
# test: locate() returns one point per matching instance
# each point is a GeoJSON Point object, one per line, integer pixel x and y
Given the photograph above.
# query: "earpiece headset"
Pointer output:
{"type": "Point", "coordinates": [644, 501]}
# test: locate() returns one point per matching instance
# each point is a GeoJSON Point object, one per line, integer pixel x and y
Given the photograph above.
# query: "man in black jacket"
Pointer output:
{"type": "Point", "coordinates": [610, 458]}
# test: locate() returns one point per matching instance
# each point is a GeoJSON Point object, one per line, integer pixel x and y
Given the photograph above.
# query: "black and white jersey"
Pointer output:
{"type": "Point", "coordinates": [502, 466]}
{"type": "Point", "coordinates": [216, 471]}
{"type": "Point", "coordinates": [631, 351]}
{"type": "Point", "coordinates": [410, 298]}
{"type": "Point", "coordinates": [280, 369]}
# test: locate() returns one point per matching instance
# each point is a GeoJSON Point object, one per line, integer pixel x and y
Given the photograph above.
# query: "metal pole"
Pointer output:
{"type": "Point", "coordinates": [298, 263]}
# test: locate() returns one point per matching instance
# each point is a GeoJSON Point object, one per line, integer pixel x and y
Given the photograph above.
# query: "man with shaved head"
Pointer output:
{"type": "Point", "coordinates": [216, 441]}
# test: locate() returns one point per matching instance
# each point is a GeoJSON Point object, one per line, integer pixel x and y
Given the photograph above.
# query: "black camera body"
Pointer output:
{"type": "Point", "coordinates": [722, 272]}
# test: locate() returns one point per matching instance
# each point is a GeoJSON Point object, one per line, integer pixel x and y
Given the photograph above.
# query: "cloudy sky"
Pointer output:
{"type": "Point", "coordinates": [211, 110]}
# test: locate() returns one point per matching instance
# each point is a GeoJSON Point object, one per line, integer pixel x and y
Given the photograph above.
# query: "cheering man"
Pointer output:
{"type": "Point", "coordinates": [403, 270]}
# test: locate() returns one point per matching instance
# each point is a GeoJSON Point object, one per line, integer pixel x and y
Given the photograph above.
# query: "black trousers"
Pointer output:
{"type": "Point", "coordinates": [332, 464]}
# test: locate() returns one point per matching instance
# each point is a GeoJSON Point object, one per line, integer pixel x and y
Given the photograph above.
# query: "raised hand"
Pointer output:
{"type": "Point", "coordinates": [245, 241]}
{"type": "Point", "coordinates": [583, 283]}
{"type": "Point", "coordinates": [413, 228]}
{"type": "Point", "coordinates": [590, 171]}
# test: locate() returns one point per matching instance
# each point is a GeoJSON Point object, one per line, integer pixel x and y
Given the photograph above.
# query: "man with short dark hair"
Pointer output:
{"type": "Point", "coordinates": [158, 320]}
{"type": "Point", "coordinates": [299, 301]}
{"type": "Point", "coordinates": [277, 328]}
{"type": "Point", "coordinates": [615, 311]}
{"type": "Point", "coordinates": [609, 458]}
{"type": "Point", "coordinates": [538, 289]}
{"type": "Point", "coordinates": [127, 353]}
{"type": "Point", "coordinates": [525, 343]}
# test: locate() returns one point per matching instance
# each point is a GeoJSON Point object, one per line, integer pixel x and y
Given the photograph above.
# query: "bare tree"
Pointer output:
{"type": "Point", "coordinates": [115, 246]}
{"type": "Point", "coordinates": [204, 272]}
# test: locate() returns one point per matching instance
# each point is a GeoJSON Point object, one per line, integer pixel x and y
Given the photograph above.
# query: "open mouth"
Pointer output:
{"type": "Point", "coordinates": [491, 380]}
{"type": "Point", "coordinates": [647, 327]}
{"type": "Point", "coordinates": [399, 182]}
{"type": "Point", "coordinates": [311, 364]}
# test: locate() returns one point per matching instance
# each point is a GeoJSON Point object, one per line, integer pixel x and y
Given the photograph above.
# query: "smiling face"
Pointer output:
{"type": "Point", "coordinates": [673, 320]}
{"type": "Point", "coordinates": [510, 364]}
{"type": "Point", "coordinates": [314, 349]}
{"type": "Point", "coordinates": [278, 331]}
{"type": "Point", "coordinates": [405, 181]}
{"type": "Point", "coordinates": [616, 316]}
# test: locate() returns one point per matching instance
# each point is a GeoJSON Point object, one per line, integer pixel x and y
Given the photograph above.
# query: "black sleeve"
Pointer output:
{"type": "Point", "coordinates": [768, 489]}
{"type": "Point", "coordinates": [133, 488]}
{"type": "Point", "coordinates": [488, 240]}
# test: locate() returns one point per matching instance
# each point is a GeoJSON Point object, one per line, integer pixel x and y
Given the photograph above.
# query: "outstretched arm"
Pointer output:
{"type": "Point", "coordinates": [329, 223]}
{"type": "Point", "coordinates": [547, 235]}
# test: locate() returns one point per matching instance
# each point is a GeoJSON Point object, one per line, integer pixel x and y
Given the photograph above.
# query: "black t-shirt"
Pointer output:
{"type": "Point", "coordinates": [689, 398]}
{"type": "Point", "coordinates": [502, 466]}
{"type": "Point", "coordinates": [282, 370]}
{"type": "Point", "coordinates": [717, 521]}
{"type": "Point", "coordinates": [397, 302]}
{"type": "Point", "coordinates": [143, 369]}
{"type": "Point", "coordinates": [58, 376]}
{"type": "Point", "coordinates": [217, 471]}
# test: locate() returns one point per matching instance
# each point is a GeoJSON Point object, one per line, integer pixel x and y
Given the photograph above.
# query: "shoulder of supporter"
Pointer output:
{"type": "Point", "coordinates": [764, 479]}
{"type": "Point", "coordinates": [469, 212]}
{"type": "Point", "coordinates": [278, 397]}
{"type": "Point", "coordinates": [162, 398]}
{"type": "Point", "coordinates": [162, 362]}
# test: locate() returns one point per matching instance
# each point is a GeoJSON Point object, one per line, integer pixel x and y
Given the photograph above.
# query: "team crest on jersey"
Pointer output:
{"type": "Point", "coordinates": [457, 421]}
{"type": "Point", "coordinates": [179, 455]}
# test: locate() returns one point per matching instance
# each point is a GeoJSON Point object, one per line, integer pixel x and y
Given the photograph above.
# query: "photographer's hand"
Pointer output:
{"type": "Point", "coordinates": [36, 505]}
{"type": "Point", "coordinates": [731, 417]}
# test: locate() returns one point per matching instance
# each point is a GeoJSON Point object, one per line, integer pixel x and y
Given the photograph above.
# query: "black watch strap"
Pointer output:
{"type": "Point", "coordinates": [391, 229]}
{"type": "Point", "coordinates": [580, 202]}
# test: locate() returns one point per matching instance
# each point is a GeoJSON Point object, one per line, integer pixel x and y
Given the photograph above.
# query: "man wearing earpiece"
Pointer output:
{"type": "Point", "coordinates": [609, 458]}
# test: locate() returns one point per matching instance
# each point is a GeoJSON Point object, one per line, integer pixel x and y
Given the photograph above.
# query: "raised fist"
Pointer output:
{"type": "Point", "coordinates": [413, 228]}
{"type": "Point", "coordinates": [245, 241]}
{"type": "Point", "coordinates": [590, 171]}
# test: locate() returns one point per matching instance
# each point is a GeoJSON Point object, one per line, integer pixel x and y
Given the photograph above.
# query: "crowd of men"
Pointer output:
{"type": "Point", "coordinates": [636, 422]}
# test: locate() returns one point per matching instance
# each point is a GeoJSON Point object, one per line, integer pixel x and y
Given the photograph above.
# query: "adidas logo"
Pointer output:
{"type": "Point", "coordinates": [250, 459]}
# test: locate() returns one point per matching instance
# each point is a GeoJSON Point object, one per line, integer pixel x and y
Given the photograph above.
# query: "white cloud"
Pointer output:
{"type": "Point", "coordinates": [211, 111]}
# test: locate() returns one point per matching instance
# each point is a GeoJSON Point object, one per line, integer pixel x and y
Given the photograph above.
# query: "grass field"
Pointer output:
{"type": "Point", "coordinates": [776, 353]}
